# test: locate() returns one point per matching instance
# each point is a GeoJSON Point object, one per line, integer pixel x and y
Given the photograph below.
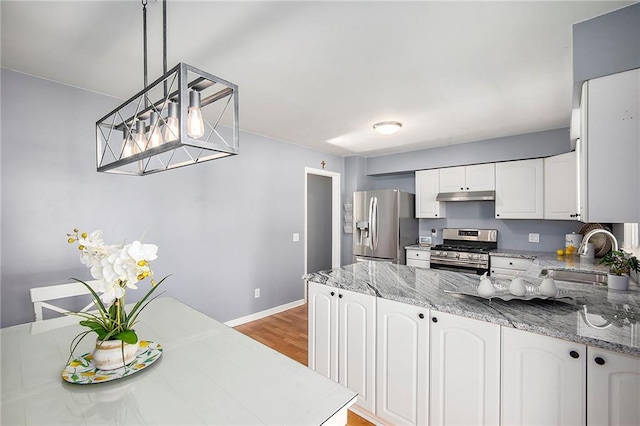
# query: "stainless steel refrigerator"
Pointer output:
{"type": "Point", "coordinates": [383, 224]}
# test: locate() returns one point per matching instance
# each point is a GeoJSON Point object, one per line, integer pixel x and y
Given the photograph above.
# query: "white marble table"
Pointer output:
{"type": "Point", "coordinates": [208, 374]}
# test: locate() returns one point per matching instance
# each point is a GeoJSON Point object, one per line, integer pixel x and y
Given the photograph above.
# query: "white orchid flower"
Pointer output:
{"type": "Point", "coordinates": [113, 292]}
{"type": "Point", "coordinates": [139, 251]}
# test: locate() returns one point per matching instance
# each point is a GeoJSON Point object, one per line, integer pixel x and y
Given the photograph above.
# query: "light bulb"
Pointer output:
{"type": "Point", "coordinates": [139, 138]}
{"type": "Point", "coordinates": [155, 138]}
{"type": "Point", "coordinates": [172, 125]}
{"type": "Point", "coordinates": [127, 143]}
{"type": "Point", "coordinates": [195, 124]}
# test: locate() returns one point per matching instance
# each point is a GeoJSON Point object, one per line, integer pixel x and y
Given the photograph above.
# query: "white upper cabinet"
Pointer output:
{"type": "Point", "coordinates": [520, 189]}
{"type": "Point", "coordinates": [479, 177]}
{"type": "Point", "coordinates": [427, 188]}
{"type": "Point", "coordinates": [561, 187]}
{"type": "Point", "coordinates": [610, 149]}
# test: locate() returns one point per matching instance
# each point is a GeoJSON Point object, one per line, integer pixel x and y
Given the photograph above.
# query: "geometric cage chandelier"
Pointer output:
{"type": "Point", "coordinates": [185, 117]}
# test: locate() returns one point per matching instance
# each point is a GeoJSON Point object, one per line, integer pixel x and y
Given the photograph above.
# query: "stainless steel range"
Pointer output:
{"type": "Point", "coordinates": [464, 250]}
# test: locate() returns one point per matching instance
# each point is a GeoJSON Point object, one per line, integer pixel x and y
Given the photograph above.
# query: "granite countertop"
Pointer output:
{"type": "Point", "coordinates": [597, 317]}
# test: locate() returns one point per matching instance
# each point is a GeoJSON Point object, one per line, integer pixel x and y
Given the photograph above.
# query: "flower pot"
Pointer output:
{"type": "Point", "coordinates": [618, 282]}
{"type": "Point", "coordinates": [108, 354]}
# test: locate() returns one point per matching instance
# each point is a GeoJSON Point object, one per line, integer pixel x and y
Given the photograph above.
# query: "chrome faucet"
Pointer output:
{"type": "Point", "coordinates": [583, 246]}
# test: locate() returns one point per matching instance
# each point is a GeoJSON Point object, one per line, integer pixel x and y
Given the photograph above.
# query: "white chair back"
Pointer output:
{"type": "Point", "coordinates": [40, 296]}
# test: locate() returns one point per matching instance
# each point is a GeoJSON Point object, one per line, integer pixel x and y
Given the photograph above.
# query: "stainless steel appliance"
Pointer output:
{"type": "Point", "coordinates": [464, 250]}
{"type": "Point", "coordinates": [383, 224]}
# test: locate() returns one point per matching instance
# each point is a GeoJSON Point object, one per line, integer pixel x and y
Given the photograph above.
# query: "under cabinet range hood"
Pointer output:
{"type": "Point", "coordinates": [467, 196]}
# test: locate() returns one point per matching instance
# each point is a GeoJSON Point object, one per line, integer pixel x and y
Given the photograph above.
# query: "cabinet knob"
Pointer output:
{"type": "Point", "coordinates": [599, 360]}
{"type": "Point", "coordinates": [511, 263]}
{"type": "Point", "coordinates": [421, 316]}
{"type": "Point", "coordinates": [340, 296]}
{"type": "Point", "coordinates": [436, 214]}
{"type": "Point", "coordinates": [333, 293]}
{"type": "Point", "coordinates": [467, 188]}
{"type": "Point", "coordinates": [498, 215]}
{"type": "Point", "coordinates": [574, 215]}
{"type": "Point", "coordinates": [434, 319]}
{"type": "Point", "coordinates": [462, 189]}
{"type": "Point", "coordinates": [574, 354]}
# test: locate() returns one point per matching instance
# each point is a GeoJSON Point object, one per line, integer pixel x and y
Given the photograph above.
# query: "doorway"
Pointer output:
{"type": "Point", "coordinates": [322, 220]}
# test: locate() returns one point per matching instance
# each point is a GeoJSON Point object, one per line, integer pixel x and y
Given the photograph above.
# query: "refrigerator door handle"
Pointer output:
{"type": "Point", "coordinates": [375, 223]}
{"type": "Point", "coordinates": [370, 230]}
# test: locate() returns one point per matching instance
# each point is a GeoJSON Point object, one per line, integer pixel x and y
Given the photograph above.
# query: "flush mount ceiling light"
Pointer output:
{"type": "Point", "coordinates": [162, 127]}
{"type": "Point", "coordinates": [387, 127]}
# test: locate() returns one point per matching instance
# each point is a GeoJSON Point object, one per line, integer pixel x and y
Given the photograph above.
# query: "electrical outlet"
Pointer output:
{"type": "Point", "coordinates": [534, 238]}
{"type": "Point", "coordinates": [296, 237]}
{"type": "Point", "coordinates": [257, 293]}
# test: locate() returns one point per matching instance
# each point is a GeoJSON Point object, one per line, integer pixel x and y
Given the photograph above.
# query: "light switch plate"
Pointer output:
{"type": "Point", "coordinates": [534, 238]}
{"type": "Point", "coordinates": [296, 236]}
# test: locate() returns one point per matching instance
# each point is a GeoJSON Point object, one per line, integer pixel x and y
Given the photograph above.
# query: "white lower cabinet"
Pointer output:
{"type": "Point", "coordinates": [543, 380]}
{"type": "Point", "coordinates": [465, 371]}
{"type": "Point", "coordinates": [613, 388]}
{"type": "Point", "coordinates": [342, 339]}
{"type": "Point", "coordinates": [402, 373]}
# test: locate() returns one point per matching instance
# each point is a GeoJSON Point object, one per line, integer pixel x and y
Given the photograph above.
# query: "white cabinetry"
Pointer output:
{"type": "Point", "coordinates": [479, 177]}
{"type": "Point", "coordinates": [427, 188]}
{"type": "Point", "coordinates": [561, 187]}
{"type": "Point", "coordinates": [519, 189]}
{"type": "Point", "coordinates": [323, 330]}
{"type": "Point", "coordinates": [465, 371]}
{"type": "Point", "coordinates": [342, 339]}
{"type": "Point", "coordinates": [609, 149]}
{"type": "Point", "coordinates": [419, 258]}
{"type": "Point", "coordinates": [543, 380]}
{"type": "Point", "coordinates": [613, 388]}
{"type": "Point", "coordinates": [507, 267]}
{"type": "Point", "coordinates": [402, 373]}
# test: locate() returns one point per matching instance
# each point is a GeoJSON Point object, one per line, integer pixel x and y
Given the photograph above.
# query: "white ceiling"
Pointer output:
{"type": "Point", "coordinates": [320, 74]}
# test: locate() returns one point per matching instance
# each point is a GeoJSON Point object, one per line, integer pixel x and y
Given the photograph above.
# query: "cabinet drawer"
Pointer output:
{"type": "Point", "coordinates": [418, 254]}
{"type": "Point", "coordinates": [506, 274]}
{"type": "Point", "coordinates": [419, 263]}
{"type": "Point", "coordinates": [510, 263]}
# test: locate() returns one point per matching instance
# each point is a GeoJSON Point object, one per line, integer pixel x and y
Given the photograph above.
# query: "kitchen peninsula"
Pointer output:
{"type": "Point", "coordinates": [428, 354]}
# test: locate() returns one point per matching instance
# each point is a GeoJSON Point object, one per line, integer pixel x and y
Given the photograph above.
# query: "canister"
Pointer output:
{"type": "Point", "coordinates": [573, 240]}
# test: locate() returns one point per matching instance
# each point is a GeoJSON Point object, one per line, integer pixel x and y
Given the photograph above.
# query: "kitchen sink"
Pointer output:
{"type": "Point", "coordinates": [576, 276]}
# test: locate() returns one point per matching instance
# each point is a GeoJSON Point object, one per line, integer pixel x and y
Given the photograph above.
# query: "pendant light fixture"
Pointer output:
{"type": "Point", "coordinates": [186, 116]}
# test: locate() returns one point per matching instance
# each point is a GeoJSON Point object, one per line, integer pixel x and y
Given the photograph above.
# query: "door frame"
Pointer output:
{"type": "Point", "coordinates": [335, 215]}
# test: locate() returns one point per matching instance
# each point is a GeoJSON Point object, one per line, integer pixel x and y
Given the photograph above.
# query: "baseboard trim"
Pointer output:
{"type": "Point", "coordinates": [368, 415]}
{"type": "Point", "coordinates": [258, 315]}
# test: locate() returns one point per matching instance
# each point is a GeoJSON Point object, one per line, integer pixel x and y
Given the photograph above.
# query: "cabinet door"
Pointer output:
{"type": "Point", "coordinates": [519, 189]}
{"type": "Point", "coordinates": [560, 187]}
{"type": "Point", "coordinates": [356, 345]}
{"type": "Point", "coordinates": [480, 177]}
{"type": "Point", "coordinates": [465, 371]}
{"type": "Point", "coordinates": [613, 388]}
{"type": "Point", "coordinates": [427, 188]}
{"type": "Point", "coordinates": [543, 380]}
{"type": "Point", "coordinates": [452, 179]}
{"type": "Point", "coordinates": [323, 330]}
{"type": "Point", "coordinates": [402, 373]}
{"type": "Point", "coordinates": [610, 136]}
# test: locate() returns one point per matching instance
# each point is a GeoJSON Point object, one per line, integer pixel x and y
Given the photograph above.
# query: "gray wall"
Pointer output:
{"type": "Point", "coordinates": [530, 145]}
{"type": "Point", "coordinates": [604, 45]}
{"type": "Point", "coordinates": [223, 227]}
{"type": "Point", "coordinates": [318, 223]}
{"type": "Point", "coordinates": [512, 234]}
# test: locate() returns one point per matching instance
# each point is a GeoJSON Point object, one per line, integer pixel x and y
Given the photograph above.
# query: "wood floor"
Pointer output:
{"type": "Point", "coordinates": [286, 332]}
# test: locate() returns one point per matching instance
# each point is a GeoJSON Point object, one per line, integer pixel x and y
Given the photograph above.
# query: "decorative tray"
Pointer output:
{"type": "Point", "coordinates": [81, 370]}
{"type": "Point", "coordinates": [503, 293]}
